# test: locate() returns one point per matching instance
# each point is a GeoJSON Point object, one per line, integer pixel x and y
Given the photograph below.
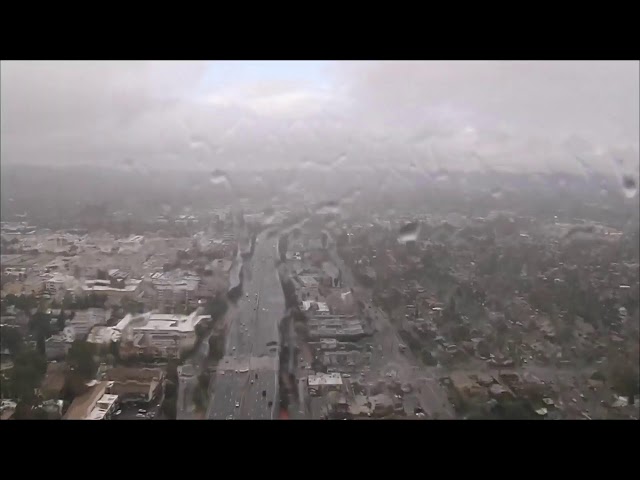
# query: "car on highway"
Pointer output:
{"type": "Point", "coordinates": [229, 417]}
{"type": "Point", "coordinates": [237, 404]}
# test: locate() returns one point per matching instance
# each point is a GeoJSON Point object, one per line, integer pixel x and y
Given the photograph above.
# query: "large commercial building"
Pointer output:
{"type": "Point", "coordinates": [158, 335]}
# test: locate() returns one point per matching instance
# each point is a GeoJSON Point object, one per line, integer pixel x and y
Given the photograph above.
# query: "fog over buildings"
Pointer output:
{"type": "Point", "coordinates": [520, 115]}
{"type": "Point", "coordinates": [319, 240]}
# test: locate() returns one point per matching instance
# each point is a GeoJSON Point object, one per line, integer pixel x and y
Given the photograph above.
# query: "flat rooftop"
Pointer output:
{"type": "Point", "coordinates": [324, 379]}
{"type": "Point", "coordinates": [102, 407]}
{"type": "Point", "coordinates": [159, 321]}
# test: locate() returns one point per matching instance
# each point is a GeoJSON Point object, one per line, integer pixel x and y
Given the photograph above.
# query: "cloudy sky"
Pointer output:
{"type": "Point", "coordinates": [431, 115]}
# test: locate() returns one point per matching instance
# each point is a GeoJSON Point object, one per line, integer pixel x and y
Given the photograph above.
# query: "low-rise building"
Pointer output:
{"type": "Point", "coordinates": [103, 336]}
{"type": "Point", "coordinates": [465, 387]}
{"type": "Point", "coordinates": [57, 284]}
{"type": "Point", "coordinates": [114, 290]}
{"type": "Point", "coordinates": [135, 384]}
{"type": "Point", "coordinates": [324, 382]}
{"type": "Point", "coordinates": [97, 403]}
{"type": "Point", "coordinates": [336, 327]}
{"type": "Point", "coordinates": [19, 321]}
{"type": "Point", "coordinates": [317, 308]}
{"type": "Point", "coordinates": [84, 320]}
{"type": "Point", "coordinates": [57, 346]}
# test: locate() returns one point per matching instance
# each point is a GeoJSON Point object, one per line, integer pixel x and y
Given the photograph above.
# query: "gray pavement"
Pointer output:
{"type": "Point", "coordinates": [251, 362]}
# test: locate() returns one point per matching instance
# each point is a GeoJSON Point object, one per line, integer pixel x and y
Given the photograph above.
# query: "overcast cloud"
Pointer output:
{"type": "Point", "coordinates": [542, 116]}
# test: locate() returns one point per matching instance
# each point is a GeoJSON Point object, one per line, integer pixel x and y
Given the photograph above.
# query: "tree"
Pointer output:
{"type": "Point", "coordinates": [516, 409]}
{"type": "Point", "coordinates": [483, 348]}
{"type": "Point", "coordinates": [169, 408]}
{"type": "Point", "coordinates": [203, 381]}
{"type": "Point", "coordinates": [624, 379]}
{"type": "Point", "coordinates": [81, 358]}
{"type": "Point", "coordinates": [172, 371]}
{"type": "Point", "coordinates": [24, 411]}
{"type": "Point", "coordinates": [199, 399]}
{"type": "Point", "coordinates": [11, 339]}
{"type": "Point", "coordinates": [11, 299]}
{"type": "Point", "coordinates": [74, 385]}
{"type": "Point", "coordinates": [216, 347]}
{"type": "Point", "coordinates": [427, 357]}
{"type": "Point", "coordinates": [26, 375]}
{"type": "Point", "coordinates": [40, 326]}
{"type": "Point", "coordinates": [200, 330]}
{"type": "Point", "coordinates": [67, 300]}
{"type": "Point", "coordinates": [62, 320]}
{"type": "Point", "coordinates": [170, 389]}
{"type": "Point", "coordinates": [216, 307]}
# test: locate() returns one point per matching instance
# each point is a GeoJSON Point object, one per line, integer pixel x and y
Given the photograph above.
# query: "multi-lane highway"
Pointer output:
{"type": "Point", "coordinates": [246, 383]}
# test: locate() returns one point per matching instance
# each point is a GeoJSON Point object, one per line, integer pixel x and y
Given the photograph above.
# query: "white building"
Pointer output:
{"type": "Point", "coordinates": [103, 336]}
{"type": "Point", "coordinates": [57, 284]}
{"type": "Point", "coordinates": [98, 403]}
{"type": "Point", "coordinates": [320, 308]}
{"type": "Point", "coordinates": [132, 289]}
{"type": "Point", "coordinates": [165, 333]}
{"type": "Point", "coordinates": [324, 382]}
{"type": "Point", "coordinates": [132, 244]}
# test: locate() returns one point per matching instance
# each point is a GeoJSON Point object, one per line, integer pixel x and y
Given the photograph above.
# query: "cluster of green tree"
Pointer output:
{"type": "Point", "coordinates": [216, 307]}
{"type": "Point", "coordinates": [83, 302]}
{"type": "Point", "coordinates": [201, 393]}
{"type": "Point", "coordinates": [624, 376]}
{"type": "Point", "coordinates": [216, 347]}
{"type": "Point", "coordinates": [29, 367]}
{"type": "Point", "coordinates": [508, 409]}
{"type": "Point", "coordinates": [283, 245]}
{"type": "Point", "coordinates": [22, 302]}
{"type": "Point", "coordinates": [169, 405]}
{"type": "Point", "coordinates": [11, 339]}
{"type": "Point", "coordinates": [82, 359]}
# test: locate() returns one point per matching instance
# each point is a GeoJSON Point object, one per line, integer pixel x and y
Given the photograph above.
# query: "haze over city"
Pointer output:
{"type": "Point", "coordinates": [319, 240]}
{"type": "Point", "coordinates": [531, 115]}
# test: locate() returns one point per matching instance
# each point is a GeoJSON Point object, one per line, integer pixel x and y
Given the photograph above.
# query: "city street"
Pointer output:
{"type": "Point", "coordinates": [246, 384]}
